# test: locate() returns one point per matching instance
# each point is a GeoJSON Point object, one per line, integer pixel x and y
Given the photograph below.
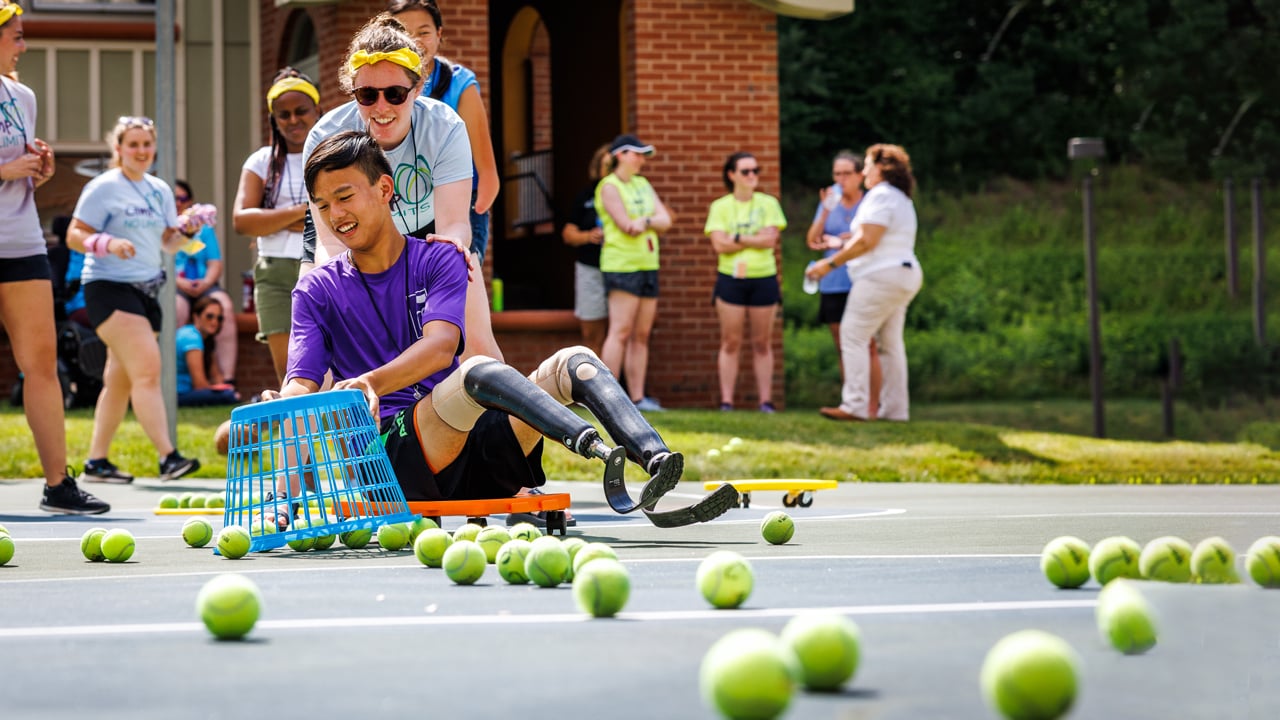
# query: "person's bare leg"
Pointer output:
{"type": "Point", "coordinates": [761, 319]}
{"type": "Point", "coordinates": [594, 333]}
{"type": "Point", "coordinates": [637, 358]}
{"type": "Point", "coordinates": [732, 320]}
{"type": "Point", "coordinates": [26, 308]}
{"type": "Point", "coordinates": [476, 317]}
{"type": "Point", "coordinates": [113, 401]}
{"type": "Point", "coordinates": [877, 381]}
{"type": "Point", "coordinates": [622, 317]}
{"type": "Point", "coordinates": [134, 346]}
{"type": "Point", "coordinates": [278, 344]}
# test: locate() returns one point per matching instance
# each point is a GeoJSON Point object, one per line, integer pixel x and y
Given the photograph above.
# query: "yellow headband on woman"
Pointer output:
{"type": "Point", "coordinates": [292, 84]}
{"type": "Point", "coordinates": [404, 57]}
{"type": "Point", "coordinates": [8, 10]}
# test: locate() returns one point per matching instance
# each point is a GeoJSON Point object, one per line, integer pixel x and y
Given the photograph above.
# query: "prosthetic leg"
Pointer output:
{"type": "Point", "coordinates": [575, 374]}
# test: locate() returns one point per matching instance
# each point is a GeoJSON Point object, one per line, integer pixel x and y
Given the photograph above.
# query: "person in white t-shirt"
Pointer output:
{"type": "Point", "coordinates": [882, 262]}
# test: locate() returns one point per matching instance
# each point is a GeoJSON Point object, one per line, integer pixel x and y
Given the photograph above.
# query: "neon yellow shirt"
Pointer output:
{"type": "Point", "coordinates": [731, 216]}
{"type": "Point", "coordinates": [622, 252]}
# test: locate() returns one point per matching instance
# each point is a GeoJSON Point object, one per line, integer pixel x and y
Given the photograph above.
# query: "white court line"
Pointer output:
{"type": "Point", "coordinates": [652, 616]}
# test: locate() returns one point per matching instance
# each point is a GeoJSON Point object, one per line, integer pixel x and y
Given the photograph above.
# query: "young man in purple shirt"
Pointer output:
{"type": "Point", "coordinates": [387, 318]}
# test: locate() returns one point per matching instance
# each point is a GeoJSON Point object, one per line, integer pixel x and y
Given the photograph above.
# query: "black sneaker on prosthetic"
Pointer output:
{"type": "Point", "coordinates": [105, 471]}
{"type": "Point", "coordinates": [175, 466]}
{"type": "Point", "coordinates": [68, 499]}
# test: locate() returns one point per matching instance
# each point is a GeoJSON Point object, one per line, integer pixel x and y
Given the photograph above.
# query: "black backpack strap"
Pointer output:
{"type": "Point", "coordinates": [443, 79]}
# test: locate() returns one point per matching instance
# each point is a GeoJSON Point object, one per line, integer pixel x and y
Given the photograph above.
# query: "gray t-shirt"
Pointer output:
{"type": "Point", "coordinates": [20, 233]}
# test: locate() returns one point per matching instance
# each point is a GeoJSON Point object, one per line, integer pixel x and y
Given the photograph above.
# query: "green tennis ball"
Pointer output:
{"type": "Point", "coordinates": [417, 527]}
{"type": "Point", "coordinates": [572, 545]}
{"type": "Point", "coordinates": [490, 540]}
{"type": "Point", "coordinates": [168, 502]}
{"type": "Point", "coordinates": [1115, 557]}
{"type": "Point", "coordinates": [1263, 561]}
{"type": "Point", "coordinates": [589, 552]}
{"type": "Point", "coordinates": [4, 530]}
{"type": "Point", "coordinates": [356, 539]}
{"type": "Point", "coordinates": [748, 674]}
{"type": "Point", "coordinates": [470, 531]}
{"type": "Point", "coordinates": [826, 646]}
{"type": "Point", "coordinates": [511, 561]}
{"type": "Point", "coordinates": [6, 548]}
{"type": "Point", "coordinates": [525, 531]}
{"type": "Point", "coordinates": [324, 542]}
{"type": "Point", "coordinates": [602, 588]}
{"type": "Point", "coordinates": [229, 606]}
{"type": "Point", "coordinates": [1166, 558]}
{"type": "Point", "coordinates": [393, 537]}
{"type": "Point", "coordinates": [547, 563]}
{"type": "Point", "coordinates": [1030, 675]}
{"type": "Point", "coordinates": [197, 532]}
{"type": "Point", "coordinates": [197, 500]}
{"type": "Point", "coordinates": [1214, 561]}
{"type": "Point", "coordinates": [91, 544]}
{"type": "Point", "coordinates": [1065, 561]}
{"type": "Point", "coordinates": [725, 579]}
{"type": "Point", "coordinates": [302, 544]}
{"type": "Point", "coordinates": [430, 546]}
{"type": "Point", "coordinates": [117, 545]}
{"type": "Point", "coordinates": [184, 500]}
{"type": "Point", "coordinates": [777, 527]}
{"type": "Point", "coordinates": [464, 562]}
{"type": "Point", "coordinates": [215, 501]}
{"type": "Point", "coordinates": [234, 542]}
{"type": "Point", "coordinates": [263, 525]}
{"type": "Point", "coordinates": [1125, 620]}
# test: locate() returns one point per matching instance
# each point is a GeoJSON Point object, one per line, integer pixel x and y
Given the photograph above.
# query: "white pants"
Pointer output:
{"type": "Point", "coordinates": [877, 308]}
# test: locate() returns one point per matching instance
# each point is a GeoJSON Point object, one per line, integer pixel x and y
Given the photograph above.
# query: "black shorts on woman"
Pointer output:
{"type": "Point", "coordinates": [749, 292]}
{"type": "Point", "coordinates": [104, 297]}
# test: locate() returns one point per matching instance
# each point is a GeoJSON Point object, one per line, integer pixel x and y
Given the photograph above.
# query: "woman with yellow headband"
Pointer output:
{"type": "Point", "coordinates": [271, 205]}
{"type": "Point", "coordinates": [430, 155]}
{"type": "Point", "coordinates": [26, 293]}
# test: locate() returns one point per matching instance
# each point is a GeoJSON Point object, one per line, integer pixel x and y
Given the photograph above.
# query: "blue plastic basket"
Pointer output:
{"type": "Point", "coordinates": [327, 446]}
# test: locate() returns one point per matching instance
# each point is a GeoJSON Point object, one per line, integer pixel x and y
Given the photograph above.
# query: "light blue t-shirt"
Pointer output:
{"type": "Point", "coordinates": [187, 338]}
{"type": "Point", "coordinates": [838, 221]}
{"type": "Point", "coordinates": [195, 267]}
{"type": "Point", "coordinates": [137, 211]}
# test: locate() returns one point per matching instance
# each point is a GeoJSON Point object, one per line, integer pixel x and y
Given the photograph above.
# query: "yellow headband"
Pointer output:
{"type": "Point", "coordinates": [404, 57]}
{"type": "Point", "coordinates": [292, 84]}
{"type": "Point", "coordinates": [8, 10]}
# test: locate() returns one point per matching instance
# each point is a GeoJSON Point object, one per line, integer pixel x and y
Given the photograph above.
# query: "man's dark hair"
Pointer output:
{"type": "Point", "coordinates": [344, 150]}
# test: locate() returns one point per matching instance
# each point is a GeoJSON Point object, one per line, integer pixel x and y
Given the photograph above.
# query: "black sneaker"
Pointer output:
{"type": "Point", "coordinates": [176, 466]}
{"type": "Point", "coordinates": [67, 499]}
{"type": "Point", "coordinates": [103, 470]}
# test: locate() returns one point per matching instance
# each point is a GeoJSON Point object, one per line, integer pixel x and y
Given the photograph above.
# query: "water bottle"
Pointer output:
{"type": "Point", "coordinates": [810, 285]}
{"type": "Point", "coordinates": [246, 278]}
{"type": "Point", "coordinates": [499, 302]}
{"type": "Point", "coordinates": [832, 198]}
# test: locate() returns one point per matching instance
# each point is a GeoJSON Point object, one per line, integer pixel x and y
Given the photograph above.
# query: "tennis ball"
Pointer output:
{"type": "Point", "coordinates": [302, 544]}
{"type": "Point", "coordinates": [229, 605]}
{"type": "Point", "coordinates": [393, 537]}
{"type": "Point", "coordinates": [826, 647]}
{"type": "Point", "coordinates": [547, 563]}
{"type": "Point", "coordinates": [4, 530]}
{"type": "Point", "coordinates": [748, 674]}
{"type": "Point", "coordinates": [511, 560]}
{"type": "Point", "coordinates": [197, 532]}
{"type": "Point", "coordinates": [1214, 561]}
{"type": "Point", "coordinates": [572, 545]}
{"type": "Point", "coordinates": [590, 552]}
{"type": "Point", "coordinates": [430, 546]}
{"type": "Point", "coordinates": [1263, 561]}
{"type": "Point", "coordinates": [1030, 675]}
{"type": "Point", "coordinates": [234, 542]}
{"type": "Point", "coordinates": [734, 442]}
{"type": "Point", "coordinates": [470, 531]}
{"type": "Point", "coordinates": [168, 502]}
{"type": "Point", "coordinates": [490, 539]}
{"type": "Point", "coordinates": [324, 542]}
{"type": "Point", "coordinates": [356, 539]}
{"type": "Point", "coordinates": [197, 500]}
{"type": "Point", "coordinates": [6, 548]}
{"type": "Point", "coordinates": [1114, 557]}
{"type": "Point", "coordinates": [117, 545]}
{"type": "Point", "coordinates": [777, 527]}
{"type": "Point", "coordinates": [91, 544]}
{"type": "Point", "coordinates": [260, 525]}
{"type": "Point", "coordinates": [215, 501]}
{"type": "Point", "coordinates": [1125, 620]}
{"type": "Point", "coordinates": [464, 562]}
{"type": "Point", "coordinates": [713, 453]}
{"type": "Point", "coordinates": [184, 500]}
{"type": "Point", "coordinates": [1065, 561]}
{"type": "Point", "coordinates": [418, 526]}
{"type": "Point", "coordinates": [725, 579]}
{"type": "Point", "coordinates": [1166, 558]}
{"type": "Point", "coordinates": [525, 531]}
{"type": "Point", "coordinates": [602, 588]}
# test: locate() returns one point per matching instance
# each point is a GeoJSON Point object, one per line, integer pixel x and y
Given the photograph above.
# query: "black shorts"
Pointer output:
{"type": "Point", "coordinates": [831, 307]}
{"type": "Point", "coordinates": [641, 283]}
{"type": "Point", "coordinates": [31, 267]}
{"type": "Point", "coordinates": [103, 297]}
{"type": "Point", "coordinates": [490, 465]}
{"type": "Point", "coordinates": [751, 292]}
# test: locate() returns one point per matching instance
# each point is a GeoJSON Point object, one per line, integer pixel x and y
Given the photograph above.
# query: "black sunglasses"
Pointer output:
{"type": "Point", "coordinates": [181, 198]}
{"type": "Point", "coordinates": [207, 316]}
{"type": "Point", "coordinates": [396, 94]}
{"type": "Point", "coordinates": [749, 171]}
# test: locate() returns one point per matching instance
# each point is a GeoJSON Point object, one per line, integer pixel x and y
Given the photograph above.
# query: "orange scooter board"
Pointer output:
{"type": "Point", "coordinates": [478, 511]}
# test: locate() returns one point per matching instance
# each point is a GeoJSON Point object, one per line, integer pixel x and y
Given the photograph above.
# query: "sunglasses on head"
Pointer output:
{"type": "Point", "coordinates": [135, 121]}
{"type": "Point", "coordinates": [396, 94]}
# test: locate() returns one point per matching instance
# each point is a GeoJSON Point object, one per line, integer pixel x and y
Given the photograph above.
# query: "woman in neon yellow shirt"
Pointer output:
{"type": "Point", "coordinates": [744, 227]}
{"type": "Point", "coordinates": [632, 216]}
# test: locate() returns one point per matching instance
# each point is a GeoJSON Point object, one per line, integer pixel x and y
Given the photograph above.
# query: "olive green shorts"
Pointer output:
{"type": "Point", "coordinates": [273, 281]}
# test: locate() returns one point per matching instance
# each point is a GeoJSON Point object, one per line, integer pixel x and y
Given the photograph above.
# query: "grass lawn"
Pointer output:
{"type": "Point", "coordinates": [993, 442]}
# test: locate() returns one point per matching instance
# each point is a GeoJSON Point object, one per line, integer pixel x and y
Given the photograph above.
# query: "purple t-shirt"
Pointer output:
{"type": "Point", "coordinates": [336, 323]}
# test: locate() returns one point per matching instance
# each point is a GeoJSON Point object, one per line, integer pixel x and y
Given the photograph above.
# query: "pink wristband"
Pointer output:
{"type": "Point", "coordinates": [97, 244]}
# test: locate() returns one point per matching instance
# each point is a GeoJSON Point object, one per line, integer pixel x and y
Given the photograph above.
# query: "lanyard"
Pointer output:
{"type": "Point", "coordinates": [417, 390]}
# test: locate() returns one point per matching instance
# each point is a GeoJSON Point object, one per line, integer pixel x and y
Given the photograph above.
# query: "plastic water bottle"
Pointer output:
{"type": "Point", "coordinates": [832, 198]}
{"type": "Point", "coordinates": [246, 280]}
{"type": "Point", "coordinates": [810, 285]}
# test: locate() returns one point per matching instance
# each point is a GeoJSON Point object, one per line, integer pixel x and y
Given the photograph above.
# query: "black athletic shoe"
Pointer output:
{"type": "Point", "coordinates": [176, 466]}
{"type": "Point", "coordinates": [103, 470]}
{"type": "Point", "coordinates": [67, 499]}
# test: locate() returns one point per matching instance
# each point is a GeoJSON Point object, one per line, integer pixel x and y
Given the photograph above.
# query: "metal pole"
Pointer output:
{"type": "Point", "coordinates": [1229, 211]}
{"type": "Point", "coordinates": [166, 166]}
{"type": "Point", "coordinates": [1095, 332]}
{"type": "Point", "coordinates": [1259, 268]}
